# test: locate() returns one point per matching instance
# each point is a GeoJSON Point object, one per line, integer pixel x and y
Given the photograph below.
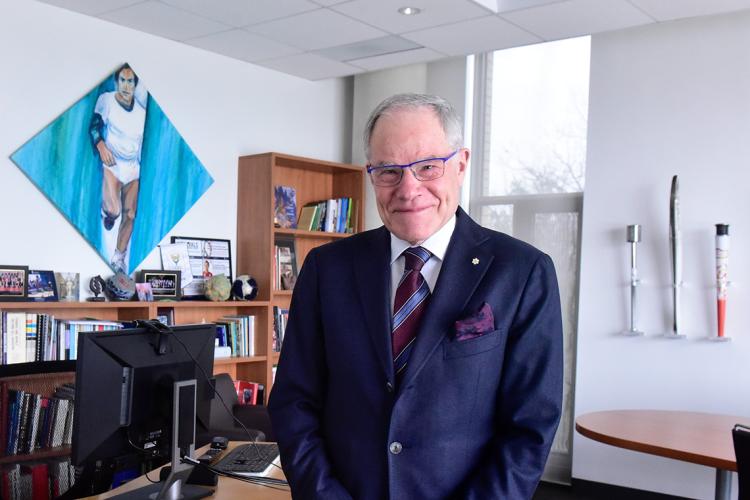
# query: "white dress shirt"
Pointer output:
{"type": "Point", "coordinates": [437, 244]}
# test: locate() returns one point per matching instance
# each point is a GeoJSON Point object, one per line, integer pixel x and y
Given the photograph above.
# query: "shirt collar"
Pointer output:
{"type": "Point", "coordinates": [437, 244]}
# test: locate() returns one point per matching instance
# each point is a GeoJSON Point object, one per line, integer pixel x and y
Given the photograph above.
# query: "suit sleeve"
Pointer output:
{"type": "Point", "coordinates": [529, 396]}
{"type": "Point", "coordinates": [297, 400]}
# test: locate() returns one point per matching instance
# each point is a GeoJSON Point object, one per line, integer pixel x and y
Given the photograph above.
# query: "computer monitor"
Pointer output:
{"type": "Point", "coordinates": [127, 385]}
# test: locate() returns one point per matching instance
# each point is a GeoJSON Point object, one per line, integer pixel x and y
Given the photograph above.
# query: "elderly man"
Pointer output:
{"type": "Point", "coordinates": [423, 359]}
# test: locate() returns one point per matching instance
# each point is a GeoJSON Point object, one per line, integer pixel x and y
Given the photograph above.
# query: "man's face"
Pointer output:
{"type": "Point", "coordinates": [125, 86]}
{"type": "Point", "coordinates": [414, 210]}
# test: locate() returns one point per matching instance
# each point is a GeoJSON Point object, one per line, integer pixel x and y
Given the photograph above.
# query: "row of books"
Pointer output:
{"type": "Point", "coordinates": [30, 336]}
{"type": "Point", "coordinates": [31, 421]}
{"type": "Point", "coordinates": [235, 336]}
{"type": "Point", "coordinates": [337, 215]}
{"type": "Point", "coordinates": [36, 480]}
{"type": "Point", "coordinates": [280, 317]}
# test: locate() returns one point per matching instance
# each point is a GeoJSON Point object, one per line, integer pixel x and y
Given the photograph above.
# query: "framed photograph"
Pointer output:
{"type": "Point", "coordinates": [286, 263]}
{"type": "Point", "coordinates": [208, 257]}
{"type": "Point", "coordinates": [13, 281]}
{"type": "Point", "coordinates": [145, 292]}
{"type": "Point", "coordinates": [68, 286]}
{"type": "Point", "coordinates": [174, 257]}
{"type": "Point", "coordinates": [164, 284]}
{"type": "Point", "coordinates": [42, 286]}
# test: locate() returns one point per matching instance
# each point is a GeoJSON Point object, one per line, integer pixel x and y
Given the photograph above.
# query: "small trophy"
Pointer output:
{"type": "Point", "coordinates": [96, 285]}
{"type": "Point", "coordinates": [633, 237]}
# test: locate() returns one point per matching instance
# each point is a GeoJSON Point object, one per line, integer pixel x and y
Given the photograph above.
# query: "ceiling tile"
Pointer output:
{"type": "Point", "coordinates": [243, 12]}
{"type": "Point", "coordinates": [487, 33]}
{"type": "Point", "coordinates": [665, 10]}
{"type": "Point", "coordinates": [397, 59]}
{"type": "Point", "coordinates": [243, 45]}
{"type": "Point", "coordinates": [384, 14]}
{"type": "Point", "coordinates": [163, 20]}
{"type": "Point", "coordinates": [368, 48]}
{"type": "Point", "coordinates": [317, 29]}
{"type": "Point", "coordinates": [92, 7]}
{"type": "Point", "coordinates": [509, 5]}
{"type": "Point", "coordinates": [311, 66]}
{"type": "Point", "coordinates": [577, 17]}
{"type": "Point", "coordinates": [327, 3]}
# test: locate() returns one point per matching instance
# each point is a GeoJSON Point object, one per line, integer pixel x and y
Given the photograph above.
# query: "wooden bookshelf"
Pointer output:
{"type": "Point", "coordinates": [313, 180]}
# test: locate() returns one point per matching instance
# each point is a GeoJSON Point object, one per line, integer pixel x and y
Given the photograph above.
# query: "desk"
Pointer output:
{"type": "Point", "coordinates": [227, 488]}
{"type": "Point", "coordinates": [699, 438]}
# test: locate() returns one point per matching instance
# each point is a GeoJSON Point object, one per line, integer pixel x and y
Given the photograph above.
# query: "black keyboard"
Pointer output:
{"type": "Point", "coordinates": [251, 458]}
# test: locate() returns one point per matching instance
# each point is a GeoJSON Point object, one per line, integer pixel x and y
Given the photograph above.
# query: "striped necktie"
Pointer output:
{"type": "Point", "coordinates": [412, 296]}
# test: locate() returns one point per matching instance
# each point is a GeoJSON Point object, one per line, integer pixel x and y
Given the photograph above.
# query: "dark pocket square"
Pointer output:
{"type": "Point", "coordinates": [476, 325]}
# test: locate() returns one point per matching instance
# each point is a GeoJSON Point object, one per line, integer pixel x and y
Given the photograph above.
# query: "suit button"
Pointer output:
{"type": "Point", "coordinates": [389, 387]}
{"type": "Point", "coordinates": [395, 447]}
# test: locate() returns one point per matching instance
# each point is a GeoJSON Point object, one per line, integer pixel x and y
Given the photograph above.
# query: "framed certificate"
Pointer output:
{"type": "Point", "coordinates": [207, 257]}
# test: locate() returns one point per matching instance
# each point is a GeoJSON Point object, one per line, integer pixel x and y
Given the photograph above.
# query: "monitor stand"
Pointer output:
{"type": "Point", "coordinates": [175, 486]}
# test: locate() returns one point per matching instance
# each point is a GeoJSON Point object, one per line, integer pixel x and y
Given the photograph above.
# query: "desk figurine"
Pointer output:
{"type": "Point", "coordinates": [96, 285]}
{"type": "Point", "coordinates": [244, 288]}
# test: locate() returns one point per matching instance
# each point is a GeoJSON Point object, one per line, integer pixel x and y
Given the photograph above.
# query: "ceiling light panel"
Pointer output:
{"type": "Point", "coordinates": [368, 48]}
{"type": "Point", "coordinates": [384, 14]}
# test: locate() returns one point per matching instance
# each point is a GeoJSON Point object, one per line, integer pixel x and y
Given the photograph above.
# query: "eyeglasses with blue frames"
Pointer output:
{"type": "Point", "coordinates": [424, 170]}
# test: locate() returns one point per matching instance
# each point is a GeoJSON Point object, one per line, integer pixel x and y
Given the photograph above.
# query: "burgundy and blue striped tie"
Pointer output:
{"type": "Point", "coordinates": [412, 296]}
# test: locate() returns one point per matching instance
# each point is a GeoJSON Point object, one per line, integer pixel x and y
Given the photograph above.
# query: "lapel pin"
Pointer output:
{"type": "Point", "coordinates": [475, 261]}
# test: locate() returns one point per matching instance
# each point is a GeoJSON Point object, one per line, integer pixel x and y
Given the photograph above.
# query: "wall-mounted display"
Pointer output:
{"type": "Point", "coordinates": [675, 254]}
{"type": "Point", "coordinates": [722, 278]}
{"type": "Point", "coordinates": [116, 168]}
{"type": "Point", "coordinates": [633, 236]}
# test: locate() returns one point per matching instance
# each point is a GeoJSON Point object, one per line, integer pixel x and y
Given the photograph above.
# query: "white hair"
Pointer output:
{"type": "Point", "coordinates": [445, 112]}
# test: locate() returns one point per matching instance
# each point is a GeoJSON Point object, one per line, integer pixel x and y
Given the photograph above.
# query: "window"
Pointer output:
{"type": "Point", "coordinates": [531, 107]}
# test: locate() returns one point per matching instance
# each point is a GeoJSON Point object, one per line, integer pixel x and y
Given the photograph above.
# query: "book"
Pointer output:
{"type": "Point", "coordinates": [285, 207]}
{"type": "Point", "coordinates": [247, 392]}
{"type": "Point", "coordinates": [307, 216]}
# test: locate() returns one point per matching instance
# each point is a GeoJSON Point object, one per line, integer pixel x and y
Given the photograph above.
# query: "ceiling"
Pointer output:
{"type": "Point", "coordinates": [317, 39]}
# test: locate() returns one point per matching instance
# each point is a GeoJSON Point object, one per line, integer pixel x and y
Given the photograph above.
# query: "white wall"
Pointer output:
{"type": "Point", "coordinates": [667, 99]}
{"type": "Point", "coordinates": [446, 78]}
{"type": "Point", "coordinates": [223, 108]}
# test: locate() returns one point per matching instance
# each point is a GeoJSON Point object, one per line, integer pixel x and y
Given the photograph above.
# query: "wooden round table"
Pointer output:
{"type": "Point", "coordinates": [699, 438]}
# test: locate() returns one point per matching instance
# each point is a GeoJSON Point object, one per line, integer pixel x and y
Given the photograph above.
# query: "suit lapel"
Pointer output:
{"type": "Point", "coordinates": [372, 272]}
{"type": "Point", "coordinates": [463, 268]}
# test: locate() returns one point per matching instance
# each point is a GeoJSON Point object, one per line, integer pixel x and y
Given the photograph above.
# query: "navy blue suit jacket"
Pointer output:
{"type": "Point", "coordinates": [475, 418]}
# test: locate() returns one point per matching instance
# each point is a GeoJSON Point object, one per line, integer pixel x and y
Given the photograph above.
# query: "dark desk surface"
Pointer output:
{"type": "Point", "coordinates": [226, 489]}
{"type": "Point", "coordinates": [699, 438]}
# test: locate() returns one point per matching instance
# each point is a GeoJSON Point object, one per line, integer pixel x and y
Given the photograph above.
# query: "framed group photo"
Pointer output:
{"type": "Point", "coordinates": [208, 257]}
{"type": "Point", "coordinates": [42, 286]}
{"type": "Point", "coordinates": [13, 282]}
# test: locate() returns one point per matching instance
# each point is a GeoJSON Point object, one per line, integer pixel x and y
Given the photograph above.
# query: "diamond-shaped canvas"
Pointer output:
{"type": "Point", "coordinates": [117, 169]}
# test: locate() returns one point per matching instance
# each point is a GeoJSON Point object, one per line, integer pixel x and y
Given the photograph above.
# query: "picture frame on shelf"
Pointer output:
{"type": "Point", "coordinates": [174, 256]}
{"type": "Point", "coordinates": [41, 286]}
{"type": "Point", "coordinates": [165, 285]}
{"type": "Point", "coordinates": [208, 257]}
{"type": "Point", "coordinates": [68, 286]}
{"type": "Point", "coordinates": [145, 292]}
{"type": "Point", "coordinates": [286, 262]}
{"type": "Point", "coordinates": [13, 282]}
